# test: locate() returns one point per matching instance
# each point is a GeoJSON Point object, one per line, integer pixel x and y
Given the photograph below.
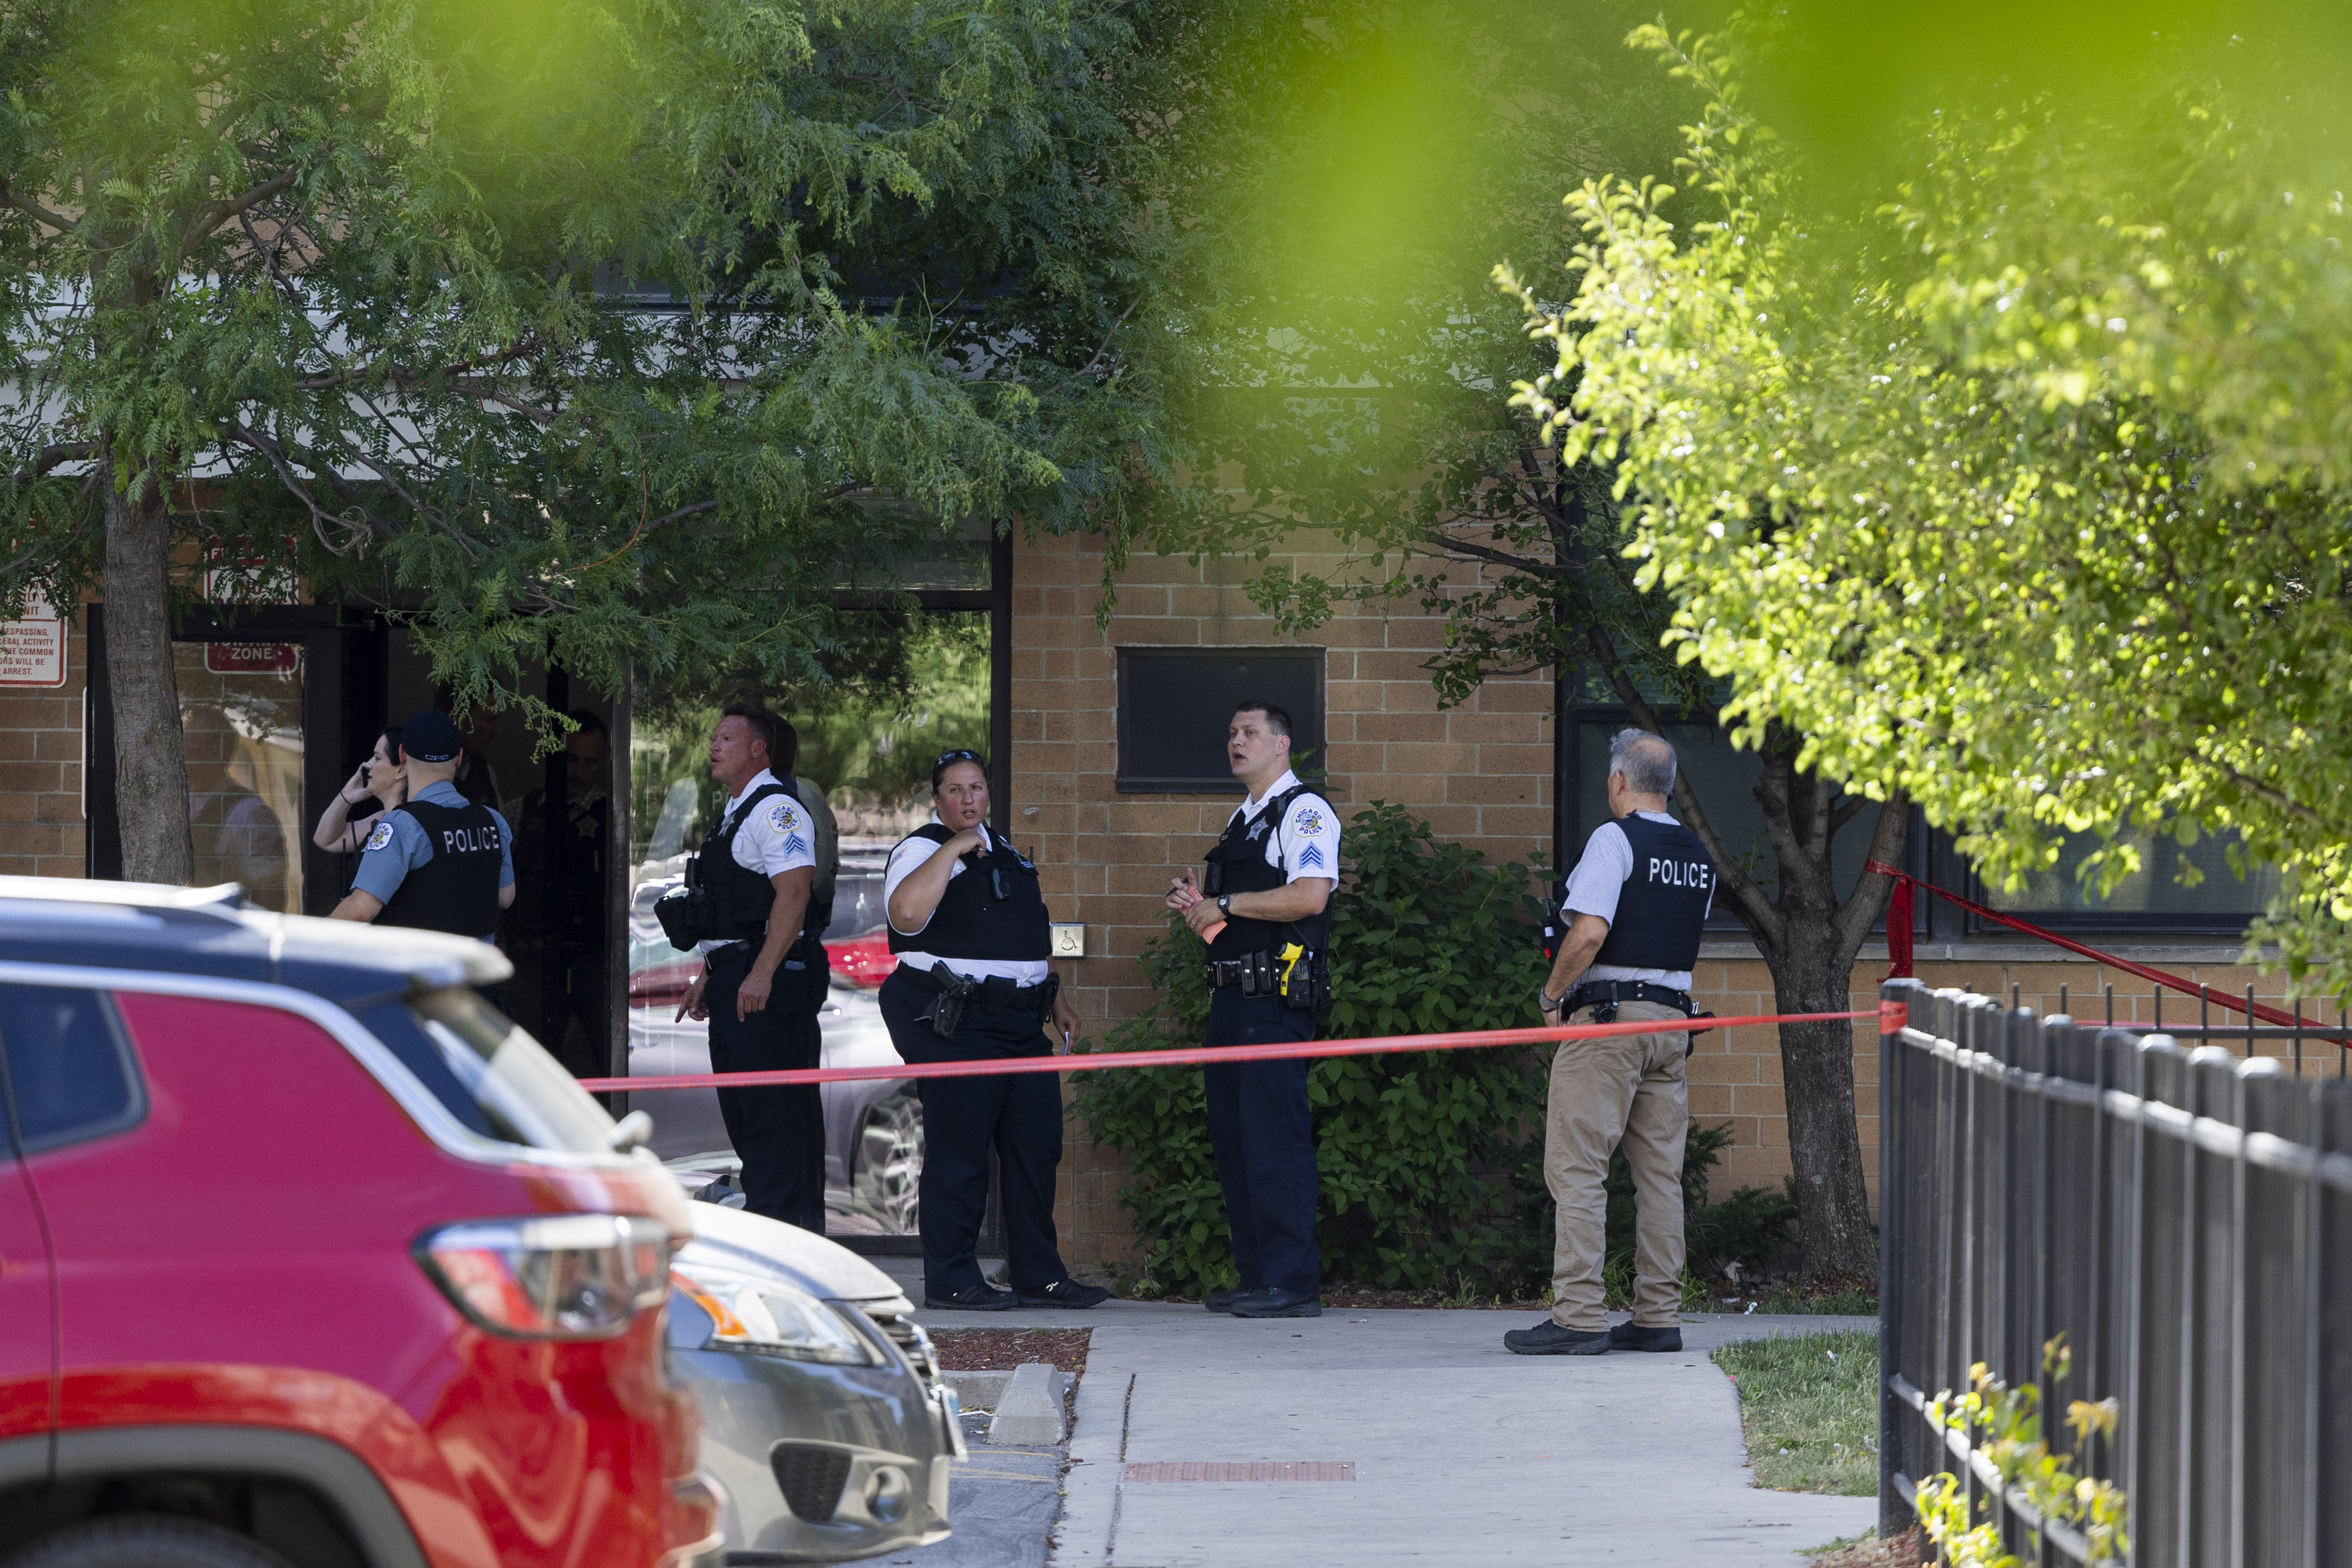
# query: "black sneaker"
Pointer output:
{"type": "Point", "coordinates": [1628, 1336]}
{"type": "Point", "coordinates": [1222, 1301]}
{"type": "Point", "coordinates": [1266, 1302]}
{"type": "Point", "coordinates": [1549, 1338]}
{"type": "Point", "coordinates": [1064, 1293]}
{"type": "Point", "coordinates": [980, 1298]}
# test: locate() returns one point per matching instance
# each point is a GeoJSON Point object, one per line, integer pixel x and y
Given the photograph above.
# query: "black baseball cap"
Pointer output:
{"type": "Point", "coordinates": [431, 736]}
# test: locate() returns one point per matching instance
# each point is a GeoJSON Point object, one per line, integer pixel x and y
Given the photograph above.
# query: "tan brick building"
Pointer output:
{"type": "Point", "coordinates": [1483, 773]}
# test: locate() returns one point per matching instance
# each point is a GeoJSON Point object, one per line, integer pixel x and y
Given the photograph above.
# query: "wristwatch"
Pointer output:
{"type": "Point", "coordinates": [1226, 905]}
{"type": "Point", "coordinates": [1547, 1002]}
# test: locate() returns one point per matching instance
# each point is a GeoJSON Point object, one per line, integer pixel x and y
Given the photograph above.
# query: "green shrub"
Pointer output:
{"type": "Point", "coordinates": [1430, 1163]}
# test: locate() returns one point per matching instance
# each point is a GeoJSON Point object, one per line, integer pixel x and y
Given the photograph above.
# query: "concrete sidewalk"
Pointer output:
{"type": "Point", "coordinates": [1462, 1452]}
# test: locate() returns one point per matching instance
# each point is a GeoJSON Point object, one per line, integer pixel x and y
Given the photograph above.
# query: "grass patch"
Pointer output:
{"type": "Point", "coordinates": [1809, 1405]}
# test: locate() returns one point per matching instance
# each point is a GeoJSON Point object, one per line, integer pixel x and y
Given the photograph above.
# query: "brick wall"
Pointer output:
{"type": "Point", "coordinates": [1480, 774]}
{"type": "Point", "coordinates": [41, 832]}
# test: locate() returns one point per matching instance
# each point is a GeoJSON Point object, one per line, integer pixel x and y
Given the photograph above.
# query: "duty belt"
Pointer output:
{"type": "Point", "coordinates": [1605, 995]}
{"type": "Point", "coordinates": [995, 994]}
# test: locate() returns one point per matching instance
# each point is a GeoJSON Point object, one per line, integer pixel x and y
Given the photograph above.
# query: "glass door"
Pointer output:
{"type": "Point", "coordinates": [241, 715]}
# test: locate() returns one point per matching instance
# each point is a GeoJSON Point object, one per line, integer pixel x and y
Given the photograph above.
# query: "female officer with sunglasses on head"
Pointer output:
{"type": "Point", "coordinates": [969, 928]}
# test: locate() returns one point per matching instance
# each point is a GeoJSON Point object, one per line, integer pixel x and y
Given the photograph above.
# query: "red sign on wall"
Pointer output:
{"type": "Point", "coordinates": [249, 657]}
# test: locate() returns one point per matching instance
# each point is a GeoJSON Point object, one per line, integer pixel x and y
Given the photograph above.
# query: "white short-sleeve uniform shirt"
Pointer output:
{"type": "Point", "coordinates": [1309, 842]}
{"type": "Point", "coordinates": [775, 838]}
{"type": "Point", "coordinates": [914, 852]}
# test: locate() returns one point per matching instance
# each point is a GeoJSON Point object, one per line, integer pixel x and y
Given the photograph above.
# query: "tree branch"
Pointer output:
{"type": "Point", "coordinates": [208, 217]}
{"type": "Point", "coordinates": [33, 209]}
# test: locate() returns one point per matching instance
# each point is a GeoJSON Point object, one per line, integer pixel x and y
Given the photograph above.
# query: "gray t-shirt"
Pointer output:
{"type": "Point", "coordinates": [1593, 888]}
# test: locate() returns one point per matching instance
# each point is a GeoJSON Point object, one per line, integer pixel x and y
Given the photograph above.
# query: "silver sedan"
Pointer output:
{"type": "Point", "coordinates": [823, 1418]}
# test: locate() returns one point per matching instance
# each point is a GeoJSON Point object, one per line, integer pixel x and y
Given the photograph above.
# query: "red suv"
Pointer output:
{"type": "Point", "coordinates": [309, 1257]}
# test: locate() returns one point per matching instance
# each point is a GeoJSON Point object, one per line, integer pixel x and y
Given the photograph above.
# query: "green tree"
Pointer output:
{"type": "Point", "coordinates": [1357, 173]}
{"type": "Point", "coordinates": [605, 331]}
{"type": "Point", "coordinates": [2006, 463]}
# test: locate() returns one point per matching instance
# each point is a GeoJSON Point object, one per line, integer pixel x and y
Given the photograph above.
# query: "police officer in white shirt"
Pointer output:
{"type": "Point", "coordinates": [1637, 903]}
{"type": "Point", "coordinates": [1266, 918]}
{"type": "Point", "coordinates": [969, 924]}
{"type": "Point", "coordinates": [759, 971]}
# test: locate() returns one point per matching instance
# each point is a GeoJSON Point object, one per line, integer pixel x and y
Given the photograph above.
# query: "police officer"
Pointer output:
{"type": "Point", "coordinates": [970, 927]}
{"type": "Point", "coordinates": [1266, 916]}
{"type": "Point", "coordinates": [759, 966]}
{"type": "Point", "coordinates": [1635, 902]}
{"type": "Point", "coordinates": [438, 861]}
{"type": "Point", "coordinates": [560, 910]}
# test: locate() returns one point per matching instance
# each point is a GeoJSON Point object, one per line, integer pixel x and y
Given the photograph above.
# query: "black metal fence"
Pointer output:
{"type": "Point", "coordinates": [2182, 1216]}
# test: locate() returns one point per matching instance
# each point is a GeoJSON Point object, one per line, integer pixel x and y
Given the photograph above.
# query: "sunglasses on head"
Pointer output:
{"type": "Point", "coordinates": [960, 754]}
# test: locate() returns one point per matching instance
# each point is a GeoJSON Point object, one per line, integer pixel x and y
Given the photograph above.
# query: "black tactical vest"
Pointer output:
{"type": "Point", "coordinates": [1238, 864]}
{"type": "Point", "coordinates": [739, 897]}
{"type": "Point", "coordinates": [993, 909]}
{"type": "Point", "coordinates": [1663, 904]}
{"type": "Point", "coordinates": [458, 889]}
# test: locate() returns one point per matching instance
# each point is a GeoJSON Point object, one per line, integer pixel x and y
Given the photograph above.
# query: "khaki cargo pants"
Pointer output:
{"type": "Point", "coordinates": [1628, 1088]}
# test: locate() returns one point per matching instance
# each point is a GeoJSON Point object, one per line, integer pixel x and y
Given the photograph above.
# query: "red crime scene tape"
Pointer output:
{"type": "Point", "coordinates": [1899, 947]}
{"type": "Point", "coordinates": [1194, 1056]}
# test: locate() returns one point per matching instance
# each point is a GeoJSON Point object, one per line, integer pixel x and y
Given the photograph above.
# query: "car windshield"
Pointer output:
{"type": "Point", "coordinates": [489, 1073]}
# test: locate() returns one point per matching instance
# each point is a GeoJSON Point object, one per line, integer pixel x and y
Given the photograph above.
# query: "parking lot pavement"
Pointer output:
{"type": "Point", "coordinates": [1001, 1504]}
{"type": "Point", "coordinates": [1460, 1451]}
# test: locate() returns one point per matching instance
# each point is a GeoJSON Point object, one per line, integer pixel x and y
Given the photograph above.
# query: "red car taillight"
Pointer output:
{"type": "Point", "coordinates": [551, 1276]}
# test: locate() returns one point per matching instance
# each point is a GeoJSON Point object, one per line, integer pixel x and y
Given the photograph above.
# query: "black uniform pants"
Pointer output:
{"type": "Point", "coordinates": [1264, 1136]}
{"type": "Point", "coordinates": [778, 1130]}
{"type": "Point", "coordinates": [1019, 1116]}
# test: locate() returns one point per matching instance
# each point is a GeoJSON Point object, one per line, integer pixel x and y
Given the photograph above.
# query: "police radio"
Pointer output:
{"type": "Point", "coordinates": [1555, 920]}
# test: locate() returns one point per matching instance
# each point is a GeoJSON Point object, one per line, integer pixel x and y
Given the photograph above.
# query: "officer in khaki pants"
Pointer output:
{"type": "Point", "coordinates": [1636, 902]}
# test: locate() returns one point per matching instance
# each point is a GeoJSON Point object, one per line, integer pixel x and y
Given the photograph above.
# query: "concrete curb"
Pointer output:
{"type": "Point", "coordinates": [1029, 1410]}
{"type": "Point", "coordinates": [983, 1390]}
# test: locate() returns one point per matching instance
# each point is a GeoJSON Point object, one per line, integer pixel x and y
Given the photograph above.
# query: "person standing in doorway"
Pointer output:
{"type": "Point", "coordinates": [970, 927]}
{"type": "Point", "coordinates": [758, 967]}
{"type": "Point", "coordinates": [376, 787]}
{"type": "Point", "coordinates": [1266, 914]}
{"type": "Point", "coordinates": [1636, 904]}
{"type": "Point", "coordinates": [562, 910]}
{"type": "Point", "coordinates": [439, 862]}
{"type": "Point", "coordinates": [474, 778]}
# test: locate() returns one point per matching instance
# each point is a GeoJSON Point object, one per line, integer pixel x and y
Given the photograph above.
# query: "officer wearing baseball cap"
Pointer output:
{"type": "Point", "coordinates": [438, 861]}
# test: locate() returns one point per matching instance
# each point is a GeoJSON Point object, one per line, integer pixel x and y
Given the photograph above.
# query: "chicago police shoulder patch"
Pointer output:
{"type": "Point", "coordinates": [783, 816]}
{"type": "Point", "coordinates": [380, 838]}
{"type": "Point", "coordinates": [1309, 821]}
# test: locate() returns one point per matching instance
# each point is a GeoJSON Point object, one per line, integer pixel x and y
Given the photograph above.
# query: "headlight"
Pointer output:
{"type": "Point", "coordinates": [772, 1316]}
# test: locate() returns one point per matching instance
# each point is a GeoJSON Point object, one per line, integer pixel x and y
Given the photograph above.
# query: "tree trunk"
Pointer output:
{"type": "Point", "coordinates": [150, 763]}
{"type": "Point", "coordinates": [1817, 1084]}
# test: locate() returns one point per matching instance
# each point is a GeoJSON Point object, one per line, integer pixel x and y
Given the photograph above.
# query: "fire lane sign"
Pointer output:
{"type": "Point", "coordinates": [33, 650]}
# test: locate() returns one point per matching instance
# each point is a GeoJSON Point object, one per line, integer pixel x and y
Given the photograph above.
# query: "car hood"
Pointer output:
{"type": "Point", "coordinates": [825, 1269]}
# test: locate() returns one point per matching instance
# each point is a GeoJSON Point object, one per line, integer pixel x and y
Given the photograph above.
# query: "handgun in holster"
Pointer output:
{"type": "Point", "coordinates": [954, 995]}
{"type": "Point", "coordinates": [1305, 978]}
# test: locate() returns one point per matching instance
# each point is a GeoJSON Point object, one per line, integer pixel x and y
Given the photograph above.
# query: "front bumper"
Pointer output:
{"type": "Point", "coordinates": [818, 1463]}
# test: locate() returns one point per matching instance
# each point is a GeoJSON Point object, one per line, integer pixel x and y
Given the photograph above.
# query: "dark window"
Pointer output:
{"type": "Point", "coordinates": [69, 1074]}
{"type": "Point", "coordinates": [1174, 704]}
{"type": "Point", "coordinates": [2151, 898]}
